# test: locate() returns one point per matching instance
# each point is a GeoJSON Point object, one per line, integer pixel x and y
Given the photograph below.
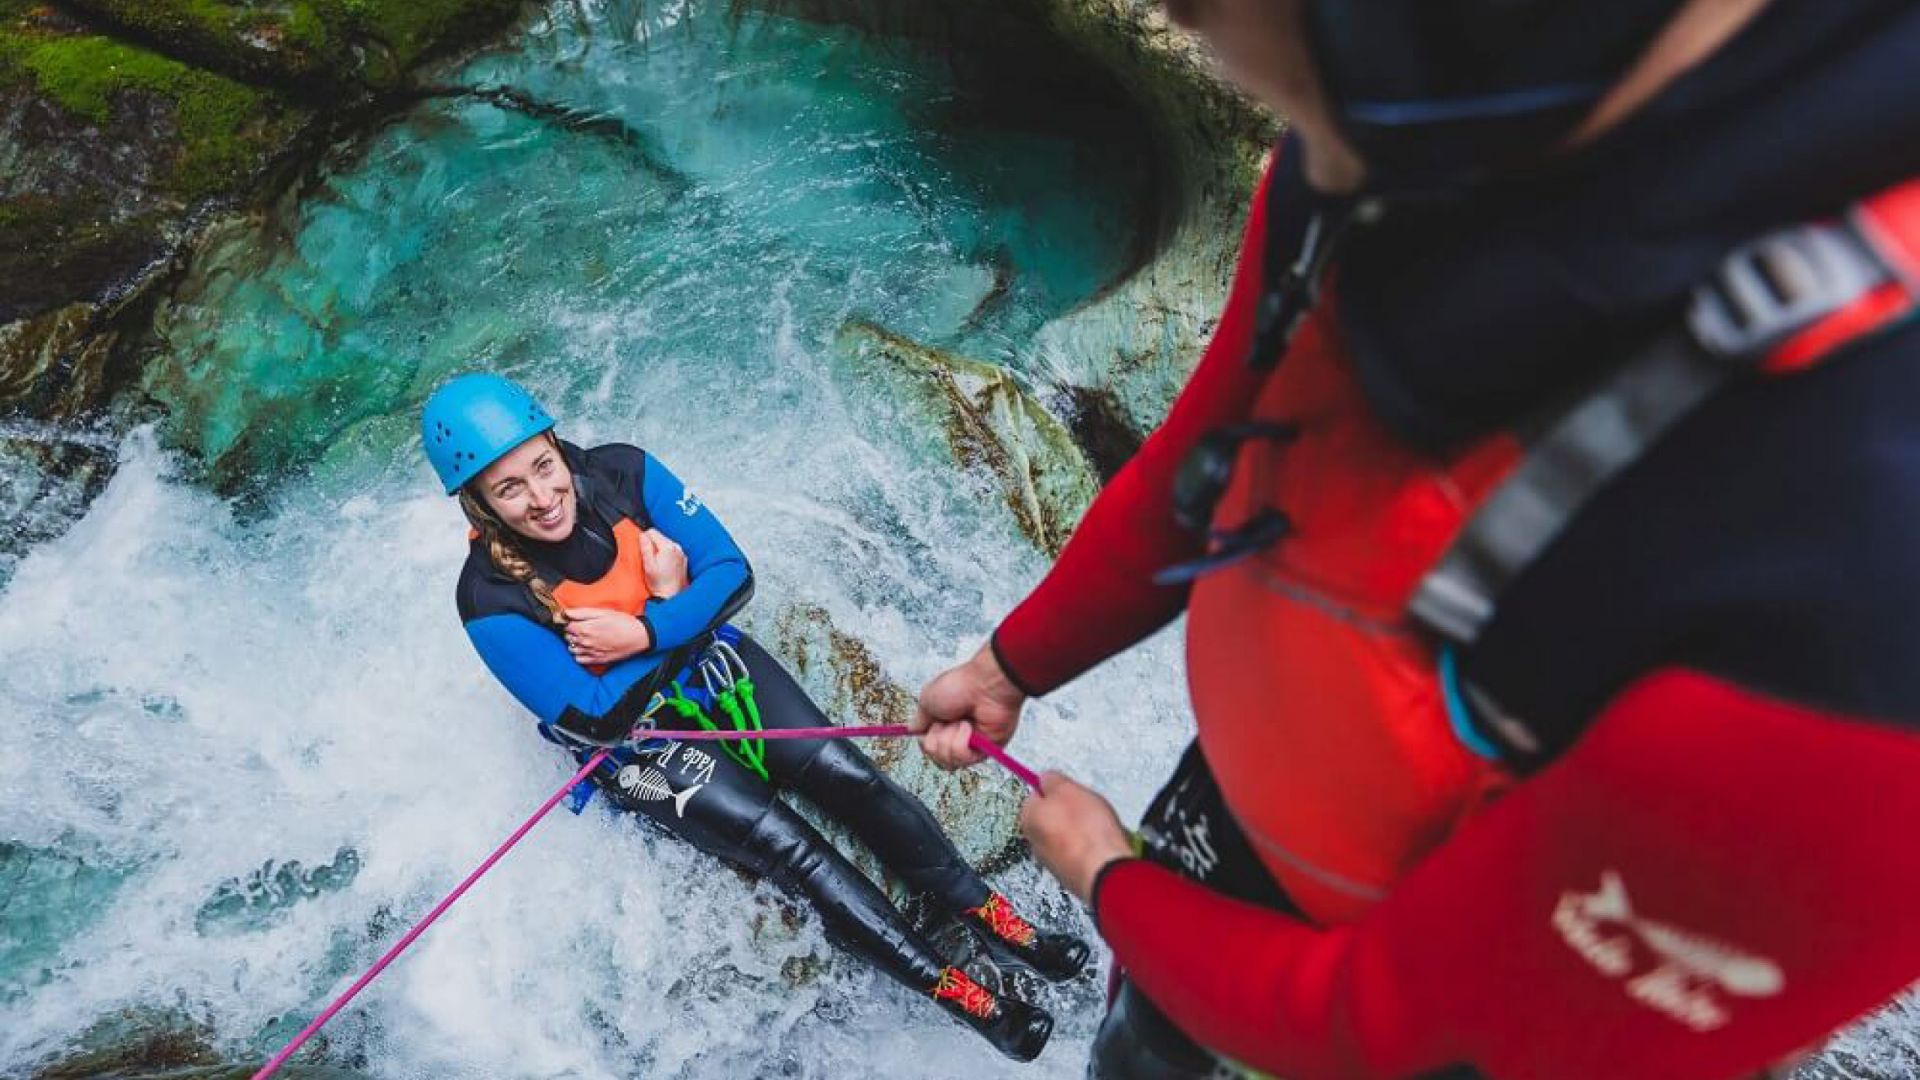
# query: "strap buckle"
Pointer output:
{"type": "Point", "coordinates": [1779, 284]}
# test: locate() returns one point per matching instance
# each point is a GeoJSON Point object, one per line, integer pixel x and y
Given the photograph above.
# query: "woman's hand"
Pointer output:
{"type": "Point", "coordinates": [974, 695]}
{"type": "Point", "coordinates": [602, 636]}
{"type": "Point", "coordinates": [664, 563]}
{"type": "Point", "coordinates": [1074, 832]}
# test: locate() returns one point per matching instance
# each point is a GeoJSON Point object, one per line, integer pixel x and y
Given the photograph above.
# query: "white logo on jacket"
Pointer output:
{"type": "Point", "coordinates": [689, 503]}
{"type": "Point", "coordinates": [1691, 972]}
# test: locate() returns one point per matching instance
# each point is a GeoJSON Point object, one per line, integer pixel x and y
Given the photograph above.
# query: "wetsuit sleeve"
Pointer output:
{"type": "Point", "coordinates": [1709, 881]}
{"type": "Point", "coordinates": [720, 580]}
{"type": "Point", "coordinates": [1100, 598]}
{"type": "Point", "coordinates": [533, 663]}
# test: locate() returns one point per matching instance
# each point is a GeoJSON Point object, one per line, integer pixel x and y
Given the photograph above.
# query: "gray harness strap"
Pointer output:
{"type": "Point", "coordinates": [1762, 294]}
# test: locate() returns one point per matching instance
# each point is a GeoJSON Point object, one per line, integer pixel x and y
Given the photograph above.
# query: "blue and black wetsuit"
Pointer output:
{"type": "Point", "coordinates": [692, 790]}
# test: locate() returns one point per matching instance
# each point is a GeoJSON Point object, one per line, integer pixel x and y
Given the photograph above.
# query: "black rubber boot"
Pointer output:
{"type": "Point", "coordinates": [1054, 956]}
{"type": "Point", "coordinates": [1015, 1028]}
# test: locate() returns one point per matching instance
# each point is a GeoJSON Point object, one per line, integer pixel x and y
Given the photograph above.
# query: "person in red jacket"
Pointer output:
{"type": "Point", "coordinates": [1543, 510]}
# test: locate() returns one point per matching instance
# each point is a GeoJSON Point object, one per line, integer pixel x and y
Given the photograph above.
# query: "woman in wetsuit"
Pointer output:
{"type": "Point", "coordinates": [597, 590]}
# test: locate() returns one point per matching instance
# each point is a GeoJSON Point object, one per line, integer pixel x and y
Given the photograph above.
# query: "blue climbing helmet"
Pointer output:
{"type": "Point", "coordinates": [472, 421]}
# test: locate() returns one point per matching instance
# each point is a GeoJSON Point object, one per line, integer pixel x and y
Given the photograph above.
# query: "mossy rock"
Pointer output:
{"type": "Point", "coordinates": [105, 149]}
{"type": "Point", "coordinates": [314, 44]}
{"type": "Point", "coordinates": [202, 133]}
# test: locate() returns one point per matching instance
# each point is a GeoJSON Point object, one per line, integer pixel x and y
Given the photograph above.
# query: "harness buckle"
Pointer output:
{"type": "Point", "coordinates": [1771, 288]}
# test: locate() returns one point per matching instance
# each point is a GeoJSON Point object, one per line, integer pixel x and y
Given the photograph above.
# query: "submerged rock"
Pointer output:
{"type": "Point", "coordinates": [46, 896]}
{"type": "Point", "coordinates": [240, 905]}
{"type": "Point", "coordinates": [992, 425]}
{"type": "Point", "coordinates": [980, 808]}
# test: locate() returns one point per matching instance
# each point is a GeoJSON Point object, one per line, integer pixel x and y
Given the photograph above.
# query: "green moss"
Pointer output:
{"type": "Point", "coordinates": [223, 127]}
{"type": "Point", "coordinates": [312, 37]}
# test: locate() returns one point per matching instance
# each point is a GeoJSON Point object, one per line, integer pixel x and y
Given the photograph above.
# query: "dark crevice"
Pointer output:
{"type": "Point", "coordinates": [1098, 423]}
{"type": "Point", "coordinates": [567, 118]}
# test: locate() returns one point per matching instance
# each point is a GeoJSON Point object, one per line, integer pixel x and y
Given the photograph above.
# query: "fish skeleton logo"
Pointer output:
{"type": "Point", "coordinates": [649, 784]}
{"type": "Point", "coordinates": [689, 503]}
{"type": "Point", "coordinates": [1692, 973]}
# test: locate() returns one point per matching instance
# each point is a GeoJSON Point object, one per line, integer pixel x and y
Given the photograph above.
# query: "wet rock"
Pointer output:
{"type": "Point", "coordinates": [978, 807]}
{"type": "Point", "coordinates": [47, 478]}
{"type": "Point", "coordinates": [1099, 423]}
{"type": "Point", "coordinates": [992, 425]}
{"type": "Point", "coordinates": [152, 1044]}
{"type": "Point", "coordinates": [160, 1044]}
{"type": "Point", "coordinates": [136, 1044]}
{"type": "Point", "coordinates": [56, 365]}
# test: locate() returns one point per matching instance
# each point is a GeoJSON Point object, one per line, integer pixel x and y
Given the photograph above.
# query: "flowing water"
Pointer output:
{"type": "Point", "coordinates": [246, 741]}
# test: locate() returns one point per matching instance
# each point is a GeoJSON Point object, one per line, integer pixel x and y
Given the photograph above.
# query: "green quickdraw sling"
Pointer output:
{"type": "Point", "coordinates": [728, 686]}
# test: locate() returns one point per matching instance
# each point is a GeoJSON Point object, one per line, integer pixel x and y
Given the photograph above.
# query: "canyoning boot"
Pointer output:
{"type": "Point", "coordinates": [1055, 956]}
{"type": "Point", "coordinates": [1015, 1028]}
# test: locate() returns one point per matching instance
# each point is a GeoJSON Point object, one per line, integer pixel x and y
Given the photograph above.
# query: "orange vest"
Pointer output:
{"type": "Point", "coordinates": [1320, 713]}
{"type": "Point", "coordinates": [622, 588]}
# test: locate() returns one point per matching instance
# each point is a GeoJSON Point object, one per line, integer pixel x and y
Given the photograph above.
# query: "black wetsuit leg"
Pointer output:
{"type": "Point", "coordinates": [1189, 830]}
{"type": "Point", "coordinates": [701, 795]}
{"type": "Point", "coordinates": [845, 783]}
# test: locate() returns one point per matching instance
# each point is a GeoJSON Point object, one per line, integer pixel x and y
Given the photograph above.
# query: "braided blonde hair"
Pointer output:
{"type": "Point", "coordinates": [505, 551]}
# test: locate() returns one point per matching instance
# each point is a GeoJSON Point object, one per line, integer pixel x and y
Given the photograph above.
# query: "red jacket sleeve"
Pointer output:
{"type": "Point", "coordinates": [1100, 598]}
{"type": "Point", "coordinates": [1708, 882]}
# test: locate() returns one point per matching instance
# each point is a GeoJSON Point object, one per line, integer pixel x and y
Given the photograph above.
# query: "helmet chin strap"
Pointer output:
{"type": "Point", "coordinates": [1697, 31]}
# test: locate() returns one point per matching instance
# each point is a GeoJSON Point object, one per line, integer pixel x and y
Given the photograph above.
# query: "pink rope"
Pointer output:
{"type": "Point", "coordinates": [980, 743]}
{"type": "Point", "coordinates": [883, 731]}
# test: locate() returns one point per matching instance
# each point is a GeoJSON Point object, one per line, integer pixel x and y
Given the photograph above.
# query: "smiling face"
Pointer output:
{"type": "Point", "coordinates": [531, 490]}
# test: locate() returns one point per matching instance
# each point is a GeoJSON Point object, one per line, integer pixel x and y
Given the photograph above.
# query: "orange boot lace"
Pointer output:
{"type": "Point", "coordinates": [955, 986]}
{"type": "Point", "coordinates": [999, 916]}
